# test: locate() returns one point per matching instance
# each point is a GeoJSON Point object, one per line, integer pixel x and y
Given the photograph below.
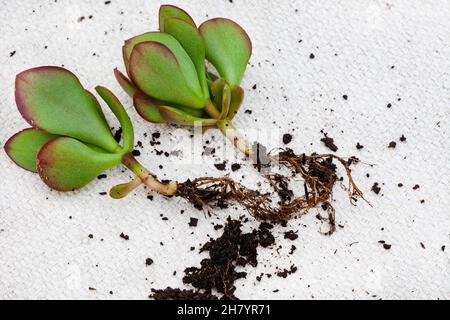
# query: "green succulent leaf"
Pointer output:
{"type": "Point", "coordinates": [125, 83]}
{"type": "Point", "coordinates": [148, 107]}
{"type": "Point", "coordinates": [169, 11]}
{"type": "Point", "coordinates": [226, 100]}
{"type": "Point", "coordinates": [237, 96]}
{"type": "Point", "coordinates": [177, 116]}
{"type": "Point", "coordinates": [192, 42]}
{"type": "Point", "coordinates": [157, 72]}
{"type": "Point", "coordinates": [23, 147]}
{"type": "Point", "coordinates": [217, 91]}
{"type": "Point", "coordinates": [53, 100]}
{"type": "Point", "coordinates": [228, 48]}
{"type": "Point", "coordinates": [186, 65]}
{"type": "Point", "coordinates": [121, 115]}
{"type": "Point", "coordinates": [66, 164]}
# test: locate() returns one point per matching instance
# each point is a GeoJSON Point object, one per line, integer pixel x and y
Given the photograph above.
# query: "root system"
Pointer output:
{"type": "Point", "coordinates": [318, 171]}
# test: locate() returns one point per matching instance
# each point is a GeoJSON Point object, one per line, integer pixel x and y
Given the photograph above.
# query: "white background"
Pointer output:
{"type": "Point", "coordinates": [45, 254]}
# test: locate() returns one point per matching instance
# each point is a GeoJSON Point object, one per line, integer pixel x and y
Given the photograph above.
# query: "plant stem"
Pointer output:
{"type": "Point", "coordinates": [228, 130]}
{"type": "Point", "coordinates": [147, 178]}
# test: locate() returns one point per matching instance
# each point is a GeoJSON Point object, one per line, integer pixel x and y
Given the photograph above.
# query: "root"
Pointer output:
{"type": "Point", "coordinates": [317, 171]}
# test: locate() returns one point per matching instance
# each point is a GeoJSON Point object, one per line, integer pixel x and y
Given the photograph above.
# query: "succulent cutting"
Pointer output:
{"type": "Point", "coordinates": [168, 79]}
{"type": "Point", "coordinates": [69, 142]}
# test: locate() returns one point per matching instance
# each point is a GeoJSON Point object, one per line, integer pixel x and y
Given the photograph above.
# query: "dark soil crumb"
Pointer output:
{"type": "Point", "coordinates": [266, 237]}
{"type": "Point", "coordinates": [291, 235]}
{"type": "Point", "coordinates": [359, 146]}
{"type": "Point", "coordinates": [118, 135]}
{"type": "Point", "coordinates": [235, 167]}
{"type": "Point", "coordinates": [102, 176]}
{"type": "Point", "coordinates": [443, 248]}
{"type": "Point", "coordinates": [312, 56]}
{"type": "Point", "coordinates": [103, 193]}
{"type": "Point", "coordinates": [376, 188]}
{"type": "Point", "coordinates": [254, 87]}
{"type": "Point", "coordinates": [136, 153]}
{"type": "Point", "coordinates": [91, 236]}
{"type": "Point", "coordinates": [345, 97]}
{"type": "Point", "coordinates": [124, 236]}
{"type": "Point", "coordinates": [416, 187]}
{"type": "Point", "coordinates": [248, 111]}
{"type": "Point", "coordinates": [221, 166]}
{"type": "Point", "coordinates": [422, 245]}
{"type": "Point", "coordinates": [12, 53]}
{"type": "Point", "coordinates": [387, 246]}
{"type": "Point", "coordinates": [285, 272]}
{"type": "Point", "coordinates": [193, 222]}
{"type": "Point", "coordinates": [403, 138]}
{"type": "Point", "coordinates": [217, 274]}
{"type": "Point", "coordinates": [400, 185]}
{"type": "Point", "coordinates": [329, 143]}
{"type": "Point", "coordinates": [287, 138]}
{"type": "Point", "coordinates": [392, 145]}
{"type": "Point", "coordinates": [148, 262]}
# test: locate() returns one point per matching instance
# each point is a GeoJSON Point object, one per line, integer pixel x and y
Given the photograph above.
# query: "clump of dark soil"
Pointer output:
{"type": "Point", "coordinates": [217, 274]}
{"type": "Point", "coordinates": [318, 171]}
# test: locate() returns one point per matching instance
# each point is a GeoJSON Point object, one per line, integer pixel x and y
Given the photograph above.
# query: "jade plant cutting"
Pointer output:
{"type": "Point", "coordinates": [69, 142]}
{"type": "Point", "coordinates": [168, 79]}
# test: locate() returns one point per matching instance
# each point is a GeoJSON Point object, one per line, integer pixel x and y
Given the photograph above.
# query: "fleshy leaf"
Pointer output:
{"type": "Point", "coordinates": [217, 91]}
{"type": "Point", "coordinates": [158, 73]}
{"type": "Point", "coordinates": [192, 42]}
{"type": "Point", "coordinates": [176, 116]}
{"type": "Point", "coordinates": [125, 83]}
{"type": "Point", "coordinates": [23, 147]}
{"type": "Point", "coordinates": [66, 164]}
{"type": "Point", "coordinates": [121, 115]}
{"type": "Point", "coordinates": [226, 100]}
{"type": "Point", "coordinates": [186, 65]}
{"type": "Point", "coordinates": [148, 108]}
{"type": "Point", "coordinates": [167, 11]}
{"type": "Point", "coordinates": [53, 99]}
{"type": "Point", "coordinates": [237, 96]}
{"type": "Point", "coordinates": [228, 48]}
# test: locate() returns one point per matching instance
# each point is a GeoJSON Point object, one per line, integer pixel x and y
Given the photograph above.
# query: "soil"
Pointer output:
{"type": "Point", "coordinates": [329, 143]}
{"type": "Point", "coordinates": [217, 274]}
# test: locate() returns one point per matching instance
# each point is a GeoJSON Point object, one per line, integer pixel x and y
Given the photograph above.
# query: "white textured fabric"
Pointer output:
{"type": "Point", "coordinates": [375, 52]}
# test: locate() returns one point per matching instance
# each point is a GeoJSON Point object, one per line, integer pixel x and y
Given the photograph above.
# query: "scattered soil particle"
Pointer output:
{"type": "Point", "coordinates": [389, 105]}
{"type": "Point", "coordinates": [291, 235]}
{"type": "Point", "coordinates": [312, 56]}
{"type": "Point", "coordinates": [329, 143]}
{"type": "Point", "coordinates": [293, 248]}
{"type": "Point", "coordinates": [136, 153]}
{"type": "Point", "coordinates": [345, 97]}
{"type": "Point", "coordinates": [254, 87]}
{"type": "Point", "coordinates": [148, 262]}
{"type": "Point", "coordinates": [217, 273]}
{"type": "Point", "coordinates": [416, 187]}
{"type": "Point", "coordinates": [443, 248]}
{"type": "Point", "coordinates": [118, 135]}
{"type": "Point", "coordinates": [12, 53]}
{"type": "Point", "coordinates": [376, 188]}
{"type": "Point", "coordinates": [124, 236]}
{"type": "Point", "coordinates": [266, 237]}
{"type": "Point", "coordinates": [287, 138]}
{"type": "Point", "coordinates": [387, 246]}
{"type": "Point", "coordinates": [103, 193]}
{"type": "Point", "coordinates": [248, 111]}
{"type": "Point", "coordinates": [221, 166]}
{"type": "Point", "coordinates": [422, 245]}
{"type": "Point", "coordinates": [193, 222]}
{"type": "Point", "coordinates": [400, 185]}
{"type": "Point", "coordinates": [359, 146]}
{"type": "Point", "coordinates": [107, 2]}
{"type": "Point", "coordinates": [91, 236]}
{"type": "Point", "coordinates": [102, 176]}
{"type": "Point", "coordinates": [235, 167]}
{"type": "Point", "coordinates": [285, 272]}
{"type": "Point", "coordinates": [403, 138]}
{"type": "Point", "coordinates": [392, 145]}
